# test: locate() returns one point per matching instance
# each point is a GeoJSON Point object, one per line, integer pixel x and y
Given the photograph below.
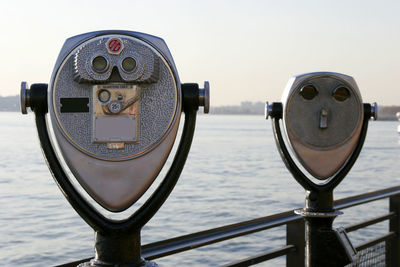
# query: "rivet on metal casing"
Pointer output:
{"type": "Point", "coordinates": [24, 97]}
{"type": "Point", "coordinates": [204, 97]}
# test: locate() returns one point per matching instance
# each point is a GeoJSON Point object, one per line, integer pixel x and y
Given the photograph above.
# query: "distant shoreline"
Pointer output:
{"type": "Point", "coordinates": [385, 113]}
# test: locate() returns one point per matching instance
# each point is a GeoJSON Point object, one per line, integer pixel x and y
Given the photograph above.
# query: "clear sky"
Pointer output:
{"type": "Point", "coordinates": [246, 49]}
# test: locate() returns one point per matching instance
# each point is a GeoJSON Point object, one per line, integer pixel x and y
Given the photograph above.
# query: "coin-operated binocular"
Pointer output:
{"type": "Point", "coordinates": [325, 123]}
{"type": "Point", "coordinates": [115, 102]}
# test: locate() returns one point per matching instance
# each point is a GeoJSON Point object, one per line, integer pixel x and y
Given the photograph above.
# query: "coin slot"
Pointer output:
{"type": "Point", "coordinates": [74, 105]}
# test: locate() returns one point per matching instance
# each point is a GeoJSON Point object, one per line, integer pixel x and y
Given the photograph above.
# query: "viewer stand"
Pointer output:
{"type": "Point", "coordinates": [326, 125]}
{"type": "Point", "coordinates": [325, 246]}
{"type": "Point", "coordinates": [115, 101]}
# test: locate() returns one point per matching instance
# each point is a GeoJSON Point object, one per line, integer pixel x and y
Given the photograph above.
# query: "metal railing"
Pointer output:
{"type": "Point", "coordinates": [295, 236]}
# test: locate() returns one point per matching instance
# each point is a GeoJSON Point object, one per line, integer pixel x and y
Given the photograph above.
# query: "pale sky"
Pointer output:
{"type": "Point", "coordinates": [246, 49]}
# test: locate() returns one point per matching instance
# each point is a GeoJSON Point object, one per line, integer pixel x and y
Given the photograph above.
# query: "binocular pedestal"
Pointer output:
{"type": "Point", "coordinates": [118, 249]}
{"type": "Point", "coordinates": [324, 245]}
{"type": "Point", "coordinates": [115, 103]}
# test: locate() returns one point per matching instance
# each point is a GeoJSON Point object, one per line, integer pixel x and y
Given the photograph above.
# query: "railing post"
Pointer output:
{"type": "Point", "coordinates": [295, 235]}
{"type": "Point", "coordinates": [393, 245]}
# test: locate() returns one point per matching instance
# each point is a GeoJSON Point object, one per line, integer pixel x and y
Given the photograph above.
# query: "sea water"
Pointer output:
{"type": "Point", "coordinates": [233, 173]}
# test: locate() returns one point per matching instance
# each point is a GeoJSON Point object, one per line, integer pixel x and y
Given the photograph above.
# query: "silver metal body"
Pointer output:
{"type": "Point", "coordinates": [322, 127]}
{"type": "Point", "coordinates": [117, 142]}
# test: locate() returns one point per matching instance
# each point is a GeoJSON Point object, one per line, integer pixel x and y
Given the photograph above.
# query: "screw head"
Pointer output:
{"type": "Point", "coordinates": [115, 107]}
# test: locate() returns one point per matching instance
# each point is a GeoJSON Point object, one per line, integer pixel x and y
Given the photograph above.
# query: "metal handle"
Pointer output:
{"type": "Point", "coordinates": [204, 97]}
{"type": "Point", "coordinates": [24, 97]}
{"type": "Point", "coordinates": [374, 111]}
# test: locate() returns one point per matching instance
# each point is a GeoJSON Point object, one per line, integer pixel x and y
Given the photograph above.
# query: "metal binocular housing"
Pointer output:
{"type": "Point", "coordinates": [325, 124]}
{"type": "Point", "coordinates": [115, 102]}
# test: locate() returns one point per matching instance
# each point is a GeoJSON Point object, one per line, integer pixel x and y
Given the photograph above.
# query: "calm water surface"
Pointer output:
{"type": "Point", "coordinates": [233, 173]}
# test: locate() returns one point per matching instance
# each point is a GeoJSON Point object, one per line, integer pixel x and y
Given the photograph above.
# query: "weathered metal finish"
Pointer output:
{"type": "Point", "coordinates": [297, 173]}
{"type": "Point", "coordinates": [115, 146]}
{"type": "Point", "coordinates": [327, 146]}
{"type": "Point", "coordinates": [322, 115]}
{"type": "Point", "coordinates": [110, 232]}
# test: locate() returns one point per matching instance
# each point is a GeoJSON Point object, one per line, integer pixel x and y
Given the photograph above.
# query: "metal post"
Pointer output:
{"type": "Point", "coordinates": [295, 235]}
{"type": "Point", "coordinates": [323, 247]}
{"type": "Point", "coordinates": [117, 249]}
{"type": "Point", "coordinates": [393, 245]}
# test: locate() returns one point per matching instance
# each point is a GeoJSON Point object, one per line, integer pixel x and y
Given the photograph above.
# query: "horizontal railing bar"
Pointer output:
{"type": "Point", "coordinates": [375, 241]}
{"type": "Point", "coordinates": [74, 263]}
{"type": "Point", "coordinates": [191, 241]}
{"type": "Point", "coordinates": [262, 257]}
{"type": "Point", "coordinates": [187, 242]}
{"type": "Point", "coordinates": [199, 239]}
{"type": "Point", "coordinates": [348, 202]}
{"type": "Point", "coordinates": [369, 222]}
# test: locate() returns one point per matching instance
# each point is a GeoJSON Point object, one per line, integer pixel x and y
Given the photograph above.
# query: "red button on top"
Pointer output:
{"type": "Point", "coordinates": [114, 46]}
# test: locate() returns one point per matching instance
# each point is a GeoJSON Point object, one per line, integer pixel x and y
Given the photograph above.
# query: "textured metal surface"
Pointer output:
{"type": "Point", "coordinates": [302, 117]}
{"type": "Point", "coordinates": [321, 126]}
{"type": "Point", "coordinates": [147, 61]}
{"type": "Point", "coordinates": [158, 106]}
{"type": "Point", "coordinates": [123, 126]}
{"type": "Point", "coordinates": [302, 179]}
{"type": "Point", "coordinates": [119, 167]}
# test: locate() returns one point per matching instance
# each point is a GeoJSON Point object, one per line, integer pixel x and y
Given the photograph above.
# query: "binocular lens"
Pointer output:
{"type": "Point", "coordinates": [341, 93]}
{"type": "Point", "coordinates": [100, 64]}
{"type": "Point", "coordinates": [308, 92]}
{"type": "Point", "coordinates": [128, 64]}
